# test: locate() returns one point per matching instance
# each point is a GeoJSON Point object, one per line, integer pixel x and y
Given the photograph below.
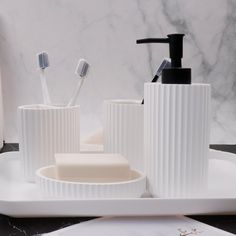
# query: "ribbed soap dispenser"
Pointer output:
{"type": "Point", "coordinates": [176, 128]}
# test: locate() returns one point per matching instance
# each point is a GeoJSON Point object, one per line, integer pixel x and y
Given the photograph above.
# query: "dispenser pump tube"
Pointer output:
{"type": "Point", "coordinates": [176, 49]}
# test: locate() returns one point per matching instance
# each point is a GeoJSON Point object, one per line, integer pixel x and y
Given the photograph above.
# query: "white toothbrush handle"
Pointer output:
{"type": "Point", "coordinates": [76, 93]}
{"type": "Point", "coordinates": [46, 97]}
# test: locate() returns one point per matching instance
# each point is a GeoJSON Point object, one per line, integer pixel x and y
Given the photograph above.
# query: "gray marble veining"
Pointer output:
{"type": "Point", "coordinates": [104, 32]}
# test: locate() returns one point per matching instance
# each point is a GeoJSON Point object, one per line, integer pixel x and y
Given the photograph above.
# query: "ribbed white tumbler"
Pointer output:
{"type": "Point", "coordinates": [46, 130]}
{"type": "Point", "coordinates": [176, 138]}
{"type": "Point", "coordinates": [123, 130]}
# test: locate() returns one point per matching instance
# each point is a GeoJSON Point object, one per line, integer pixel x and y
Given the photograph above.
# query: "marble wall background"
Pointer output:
{"type": "Point", "coordinates": [104, 32]}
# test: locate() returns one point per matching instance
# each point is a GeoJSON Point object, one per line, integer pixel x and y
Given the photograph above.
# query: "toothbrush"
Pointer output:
{"type": "Point", "coordinates": [43, 64]}
{"type": "Point", "coordinates": [166, 63]}
{"type": "Point", "coordinates": [81, 71]}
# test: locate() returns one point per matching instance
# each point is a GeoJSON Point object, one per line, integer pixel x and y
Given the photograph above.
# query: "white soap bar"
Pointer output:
{"type": "Point", "coordinates": [88, 167]}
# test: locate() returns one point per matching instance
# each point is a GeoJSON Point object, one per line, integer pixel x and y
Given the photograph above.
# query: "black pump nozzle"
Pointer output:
{"type": "Point", "coordinates": [175, 42]}
{"type": "Point", "coordinates": [176, 74]}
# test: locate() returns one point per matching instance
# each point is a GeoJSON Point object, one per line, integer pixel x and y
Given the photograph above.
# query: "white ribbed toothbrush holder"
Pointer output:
{"type": "Point", "coordinates": [123, 130]}
{"type": "Point", "coordinates": [176, 134]}
{"type": "Point", "coordinates": [45, 130]}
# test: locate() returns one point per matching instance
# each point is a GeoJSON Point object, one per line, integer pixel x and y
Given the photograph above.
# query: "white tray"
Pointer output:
{"type": "Point", "coordinates": [22, 199]}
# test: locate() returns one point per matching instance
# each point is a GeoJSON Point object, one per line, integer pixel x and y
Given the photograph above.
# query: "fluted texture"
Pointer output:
{"type": "Point", "coordinates": [44, 131]}
{"type": "Point", "coordinates": [123, 130]}
{"type": "Point", "coordinates": [50, 187]}
{"type": "Point", "coordinates": [176, 138]}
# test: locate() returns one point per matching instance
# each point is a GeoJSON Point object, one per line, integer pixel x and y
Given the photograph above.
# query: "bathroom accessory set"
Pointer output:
{"type": "Point", "coordinates": [167, 137]}
{"type": "Point", "coordinates": [173, 132]}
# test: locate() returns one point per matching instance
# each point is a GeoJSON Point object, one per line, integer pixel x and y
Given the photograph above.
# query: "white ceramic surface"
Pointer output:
{"type": "Point", "coordinates": [51, 187]}
{"type": "Point", "coordinates": [19, 198]}
{"type": "Point", "coordinates": [176, 138]}
{"type": "Point", "coordinates": [44, 131]}
{"type": "Point", "coordinates": [123, 130]}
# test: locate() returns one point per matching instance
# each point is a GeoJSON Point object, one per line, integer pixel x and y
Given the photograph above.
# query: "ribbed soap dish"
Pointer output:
{"type": "Point", "coordinates": [54, 188]}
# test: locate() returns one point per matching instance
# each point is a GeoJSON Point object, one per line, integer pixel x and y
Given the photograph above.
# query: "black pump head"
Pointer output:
{"type": "Point", "coordinates": [175, 42]}
{"type": "Point", "coordinates": [172, 75]}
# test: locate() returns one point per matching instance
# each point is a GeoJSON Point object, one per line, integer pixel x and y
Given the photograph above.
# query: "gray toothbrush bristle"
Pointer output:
{"type": "Point", "coordinates": [166, 63]}
{"type": "Point", "coordinates": [82, 68]}
{"type": "Point", "coordinates": [43, 60]}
